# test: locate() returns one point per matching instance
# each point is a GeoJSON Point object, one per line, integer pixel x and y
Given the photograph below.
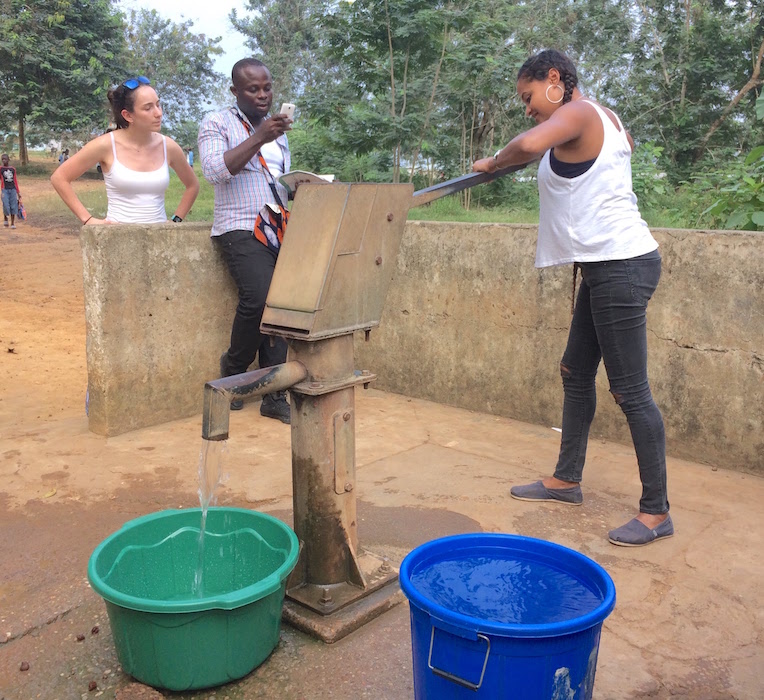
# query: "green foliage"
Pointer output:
{"type": "Point", "coordinates": [647, 177]}
{"type": "Point", "coordinates": [186, 134]}
{"type": "Point", "coordinates": [739, 186]}
{"type": "Point", "coordinates": [179, 64]}
{"type": "Point", "coordinates": [679, 207]}
{"type": "Point", "coordinates": [392, 53]}
{"type": "Point", "coordinates": [451, 209]}
{"type": "Point", "coordinates": [688, 61]}
{"type": "Point", "coordinates": [286, 36]}
{"type": "Point", "coordinates": [56, 57]}
{"type": "Point", "coordinates": [741, 190]}
{"type": "Point", "coordinates": [514, 191]}
{"type": "Point", "coordinates": [432, 84]}
{"type": "Point", "coordinates": [314, 148]}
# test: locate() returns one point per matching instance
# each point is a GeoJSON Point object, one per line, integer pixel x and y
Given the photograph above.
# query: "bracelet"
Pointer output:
{"type": "Point", "coordinates": [86, 220]}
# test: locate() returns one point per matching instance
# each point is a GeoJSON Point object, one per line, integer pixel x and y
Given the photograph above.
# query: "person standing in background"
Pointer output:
{"type": "Point", "coordinates": [11, 194]}
{"type": "Point", "coordinates": [243, 151]}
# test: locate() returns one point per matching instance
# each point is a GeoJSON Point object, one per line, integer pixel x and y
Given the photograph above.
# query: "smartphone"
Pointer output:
{"type": "Point", "coordinates": [288, 109]}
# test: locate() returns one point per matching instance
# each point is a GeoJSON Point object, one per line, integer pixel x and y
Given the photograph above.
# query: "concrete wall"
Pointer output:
{"type": "Point", "coordinates": [468, 322]}
{"type": "Point", "coordinates": [158, 308]}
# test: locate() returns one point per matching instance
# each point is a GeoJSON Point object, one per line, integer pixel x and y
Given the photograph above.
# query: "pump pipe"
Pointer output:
{"type": "Point", "coordinates": [219, 393]}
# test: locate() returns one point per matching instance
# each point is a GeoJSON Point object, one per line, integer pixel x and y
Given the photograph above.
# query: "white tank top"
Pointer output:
{"type": "Point", "coordinates": [274, 158]}
{"type": "Point", "coordinates": [594, 216]}
{"type": "Point", "coordinates": [136, 197]}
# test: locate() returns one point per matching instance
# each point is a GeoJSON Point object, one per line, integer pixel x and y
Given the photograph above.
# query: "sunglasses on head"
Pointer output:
{"type": "Point", "coordinates": [135, 82]}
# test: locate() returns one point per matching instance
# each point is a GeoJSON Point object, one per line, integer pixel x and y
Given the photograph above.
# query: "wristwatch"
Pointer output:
{"type": "Point", "coordinates": [176, 219]}
{"type": "Point", "coordinates": [496, 157]}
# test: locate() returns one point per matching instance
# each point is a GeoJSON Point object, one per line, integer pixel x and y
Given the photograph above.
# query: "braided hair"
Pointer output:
{"type": "Point", "coordinates": [537, 68]}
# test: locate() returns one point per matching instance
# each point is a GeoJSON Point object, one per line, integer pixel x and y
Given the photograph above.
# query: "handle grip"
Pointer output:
{"type": "Point", "coordinates": [454, 678]}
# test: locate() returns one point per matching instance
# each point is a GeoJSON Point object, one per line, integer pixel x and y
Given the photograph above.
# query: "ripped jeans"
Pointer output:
{"type": "Point", "coordinates": [609, 323]}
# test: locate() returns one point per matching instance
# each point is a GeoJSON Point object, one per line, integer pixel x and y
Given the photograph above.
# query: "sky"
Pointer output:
{"type": "Point", "coordinates": [210, 18]}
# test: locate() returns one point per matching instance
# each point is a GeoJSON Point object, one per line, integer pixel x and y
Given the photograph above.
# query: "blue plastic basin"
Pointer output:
{"type": "Point", "coordinates": [503, 616]}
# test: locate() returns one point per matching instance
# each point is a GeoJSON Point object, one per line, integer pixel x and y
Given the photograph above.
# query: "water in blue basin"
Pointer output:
{"type": "Point", "coordinates": [505, 589]}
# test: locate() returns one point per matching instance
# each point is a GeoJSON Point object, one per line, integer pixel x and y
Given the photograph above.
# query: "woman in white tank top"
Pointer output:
{"type": "Point", "coordinates": [135, 160]}
{"type": "Point", "coordinates": [589, 217]}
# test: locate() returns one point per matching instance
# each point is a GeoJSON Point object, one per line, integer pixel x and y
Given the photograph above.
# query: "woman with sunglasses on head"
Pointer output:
{"type": "Point", "coordinates": [135, 160]}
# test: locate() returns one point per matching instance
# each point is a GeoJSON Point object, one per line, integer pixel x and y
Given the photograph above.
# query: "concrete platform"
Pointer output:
{"type": "Point", "coordinates": [689, 619]}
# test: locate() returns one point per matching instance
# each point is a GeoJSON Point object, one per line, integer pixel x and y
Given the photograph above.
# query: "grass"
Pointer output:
{"type": "Point", "coordinates": [677, 210]}
{"type": "Point", "coordinates": [451, 209]}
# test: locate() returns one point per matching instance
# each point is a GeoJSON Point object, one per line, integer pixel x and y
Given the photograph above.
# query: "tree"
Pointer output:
{"type": "Point", "coordinates": [177, 61]}
{"type": "Point", "coordinates": [433, 82]}
{"type": "Point", "coordinates": [56, 59]}
{"type": "Point", "coordinates": [393, 52]}
{"type": "Point", "coordinates": [286, 36]}
{"type": "Point", "coordinates": [688, 60]}
{"type": "Point", "coordinates": [755, 81]}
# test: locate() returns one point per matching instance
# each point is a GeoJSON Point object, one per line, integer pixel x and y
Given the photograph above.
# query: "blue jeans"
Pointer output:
{"type": "Point", "coordinates": [10, 202]}
{"type": "Point", "coordinates": [609, 324]}
{"type": "Point", "coordinates": [251, 265]}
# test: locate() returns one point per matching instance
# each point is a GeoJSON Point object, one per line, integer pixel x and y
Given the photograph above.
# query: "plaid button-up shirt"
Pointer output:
{"type": "Point", "coordinates": [238, 198]}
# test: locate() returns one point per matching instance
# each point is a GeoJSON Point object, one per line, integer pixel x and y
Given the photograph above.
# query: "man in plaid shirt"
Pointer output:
{"type": "Point", "coordinates": [243, 152]}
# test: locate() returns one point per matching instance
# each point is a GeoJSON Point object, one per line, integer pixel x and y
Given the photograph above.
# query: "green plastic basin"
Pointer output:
{"type": "Point", "coordinates": [171, 636]}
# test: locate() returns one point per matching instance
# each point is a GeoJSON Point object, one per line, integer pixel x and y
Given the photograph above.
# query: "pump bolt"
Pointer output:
{"type": "Point", "coordinates": [326, 597]}
{"type": "Point", "coordinates": [348, 487]}
{"type": "Point", "coordinates": [385, 568]}
{"type": "Point", "coordinates": [378, 260]}
{"type": "Point", "coordinates": [390, 216]}
{"type": "Point", "coordinates": [315, 385]}
{"type": "Point", "coordinates": [365, 372]}
{"type": "Point", "coordinates": [346, 416]}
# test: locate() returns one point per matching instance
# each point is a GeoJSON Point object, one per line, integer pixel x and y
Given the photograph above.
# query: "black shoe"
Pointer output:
{"type": "Point", "coordinates": [275, 406]}
{"type": "Point", "coordinates": [224, 365]}
{"type": "Point", "coordinates": [236, 404]}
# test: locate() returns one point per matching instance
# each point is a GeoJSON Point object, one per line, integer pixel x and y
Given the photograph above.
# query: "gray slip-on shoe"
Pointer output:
{"type": "Point", "coordinates": [637, 534]}
{"type": "Point", "coordinates": [536, 491]}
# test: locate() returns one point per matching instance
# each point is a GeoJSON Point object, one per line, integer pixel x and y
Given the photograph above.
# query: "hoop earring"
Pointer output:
{"type": "Point", "coordinates": [562, 93]}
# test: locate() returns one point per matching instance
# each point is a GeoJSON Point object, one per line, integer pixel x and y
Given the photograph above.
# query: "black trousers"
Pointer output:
{"type": "Point", "coordinates": [610, 324]}
{"type": "Point", "coordinates": [251, 265]}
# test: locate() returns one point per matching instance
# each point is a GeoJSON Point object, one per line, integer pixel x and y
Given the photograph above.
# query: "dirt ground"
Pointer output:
{"type": "Point", "coordinates": [44, 434]}
{"type": "Point", "coordinates": [43, 373]}
{"type": "Point", "coordinates": [64, 489]}
{"type": "Point", "coordinates": [688, 623]}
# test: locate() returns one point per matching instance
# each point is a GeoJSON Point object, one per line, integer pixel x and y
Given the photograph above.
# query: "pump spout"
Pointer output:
{"type": "Point", "coordinates": [219, 393]}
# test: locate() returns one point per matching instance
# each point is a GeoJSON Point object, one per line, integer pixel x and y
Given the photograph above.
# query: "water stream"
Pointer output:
{"type": "Point", "coordinates": [210, 477]}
